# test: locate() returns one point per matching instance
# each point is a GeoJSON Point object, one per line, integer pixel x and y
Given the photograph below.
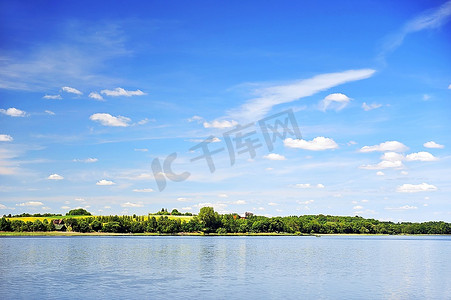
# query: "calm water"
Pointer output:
{"type": "Point", "coordinates": [332, 267]}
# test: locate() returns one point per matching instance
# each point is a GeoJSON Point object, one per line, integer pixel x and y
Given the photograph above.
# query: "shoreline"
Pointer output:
{"type": "Point", "coordinates": [70, 233]}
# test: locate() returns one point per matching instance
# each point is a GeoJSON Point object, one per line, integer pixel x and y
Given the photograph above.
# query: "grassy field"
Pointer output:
{"type": "Point", "coordinates": [32, 219]}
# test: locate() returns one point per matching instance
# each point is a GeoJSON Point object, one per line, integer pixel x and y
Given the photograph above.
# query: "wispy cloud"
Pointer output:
{"type": "Point", "coordinates": [130, 204]}
{"type": "Point", "coordinates": [368, 107]}
{"type": "Point", "coordinates": [385, 164]}
{"type": "Point", "coordinates": [432, 18]}
{"type": "Point", "coordinates": [52, 97]}
{"type": "Point", "coordinates": [122, 92]}
{"type": "Point", "coordinates": [109, 120]}
{"type": "Point", "coordinates": [31, 203]}
{"type": "Point", "coordinates": [268, 97]}
{"type": "Point", "coordinates": [405, 207]}
{"type": "Point", "coordinates": [143, 190]}
{"type": "Point", "coordinates": [77, 57]}
{"type": "Point", "coordinates": [309, 186]}
{"type": "Point", "coordinates": [71, 90]}
{"type": "Point", "coordinates": [87, 160]}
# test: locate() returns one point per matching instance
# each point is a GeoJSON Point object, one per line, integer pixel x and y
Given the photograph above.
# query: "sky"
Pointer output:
{"type": "Point", "coordinates": [130, 107]}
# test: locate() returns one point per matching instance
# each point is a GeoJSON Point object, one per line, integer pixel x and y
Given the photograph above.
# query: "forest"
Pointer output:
{"type": "Point", "coordinates": [210, 222]}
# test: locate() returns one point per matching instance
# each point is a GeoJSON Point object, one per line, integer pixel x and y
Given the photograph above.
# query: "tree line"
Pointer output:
{"type": "Point", "coordinates": [209, 221]}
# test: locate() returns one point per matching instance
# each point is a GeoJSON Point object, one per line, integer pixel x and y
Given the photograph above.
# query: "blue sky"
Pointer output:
{"type": "Point", "coordinates": [92, 93]}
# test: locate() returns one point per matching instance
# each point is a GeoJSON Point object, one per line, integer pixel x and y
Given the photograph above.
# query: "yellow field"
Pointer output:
{"type": "Point", "coordinates": [183, 218]}
{"type": "Point", "coordinates": [32, 219]}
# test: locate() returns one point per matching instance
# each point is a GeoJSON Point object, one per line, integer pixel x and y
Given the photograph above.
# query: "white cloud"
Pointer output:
{"type": "Point", "coordinates": [105, 182]}
{"type": "Point", "coordinates": [109, 120]}
{"type": "Point", "coordinates": [308, 186]}
{"type": "Point", "coordinates": [430, 19]}
{"type": "Point", "coordinates": [220, 124]}
{"type": "Point", "coordinates": [130, 204]}
{"type": "Point", "coordinates": [65, 207]}
{"type": "Point", "coordinates": [208, 140]}
{"type": "Point", "coordinates": [188, 208]}
{"type": "Point", "coordinates": [303, 185]}
{"type": "Point", "coordinates": [80, 199]}
{"type": "Point", "coordinates": [3, 206]}
{"type": "Point", "coordinates": [142, 150]}
{"type": "Point", "coordinates": [121, 92]}
{"type": "Point", "coordinates": [240, 202]}
{"type": "Point", "coordinates": [433, 144]}
{"type": "Point", "coordinates": [336, 101]}
{"type": "Point", "coordinates": [143, 190]}
{"type": "Point", "coordinates": [142, 176]}
{"type": "Point", "coordinates": [71, 90]}
{"type": "Point", "coordinates": [52, 97]}
{"type": "Point", "coordinates": [255, 109]}
{"type": "Point", "coordinates": [183, 199]}
{"type": "Point", "coordinates": [6, 138]}
{"type": "Point", "coordinates": [385, 164]}
{"type": "Point", "coordinates": [31, 203]}
{"type": "Point", "coordinates": [426, 97]}
{"type": "Point", "coordinates": [55, 177]}
{"type": "Point", "coordinates": [405, 207]}
{"type": "Point", "coordinates": [379, 173]}
{"type": "Point", "coordinates": [219, 207]}
{"type": "Point", "coordinates": [223, 196]}
{"type": "Point", "coordinates": [272, 204]}
{"type": "Point", "coordinates": [367, 107]}
{"type": "Point", "coordinates": [305, 202]}
{"type": "Point", "coordinates": [143, 121]}
{"type": "Point", "coordinates": [317, 144]}
{"type": "Point", "coordinates": [357, 207]}
{"type": "Point", "coordinates": [96, 96]}
{"type": "Point", "coordinates": [404, 173]}
{"type": "Point", "coordinates": [415, 188]}
{"type": "Point", "coordinates": [386, 146]}
{"type": "Point", "coordinates": [274, 156]}
{"type": "Point", "coordinates": [392, 156]}
{"type": "Point", "coordinates": [449, 87]}
{"type": "Point", "coordinates": [50, 112]}
{"type": "Point", "coordinates": [13, 112]}
{"type": "Point", "coordinates": [197, 119]}
{"type": "Point", "coordinates": [421, 156]}
{"type": "Point", "coordinates": [87, 160]}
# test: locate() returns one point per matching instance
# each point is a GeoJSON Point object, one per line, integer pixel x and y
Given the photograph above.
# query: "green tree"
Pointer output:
{"type": "Point", "coordinates": [209, 219]}
{"type": "Point", "coordinates": [78, 212]}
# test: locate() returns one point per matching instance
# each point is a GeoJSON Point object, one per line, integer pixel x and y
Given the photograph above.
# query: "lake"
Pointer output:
{"type": "Point", "coordinates": [252, 267]}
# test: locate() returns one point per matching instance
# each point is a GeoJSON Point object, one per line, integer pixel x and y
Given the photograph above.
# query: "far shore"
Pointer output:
{"type": "Point", "coordinates": [71, 233]}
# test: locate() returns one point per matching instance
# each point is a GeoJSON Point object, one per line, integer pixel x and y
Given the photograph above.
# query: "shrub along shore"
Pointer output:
{"type": "Point", "coordinates": [207, 222]}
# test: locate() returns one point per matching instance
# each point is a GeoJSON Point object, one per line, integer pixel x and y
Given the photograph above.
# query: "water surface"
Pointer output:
{"type": "Point", "coordinates": [328, 267]}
